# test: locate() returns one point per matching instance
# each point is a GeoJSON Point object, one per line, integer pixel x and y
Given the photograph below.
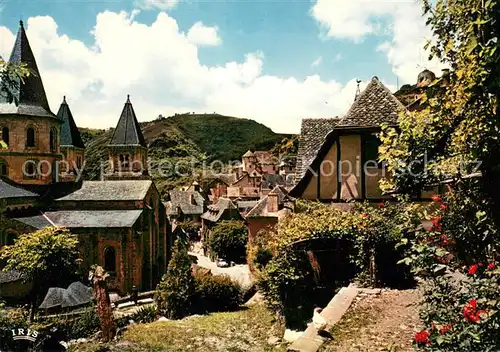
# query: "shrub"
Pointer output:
{"type": "Point", "coordinates": [146, 314]}
{"type": "Point", "coordinates": [229, 239]}
{"type": "Point", "coordinates": [10, 319]}
{"type": "Point", "coordinates": [176, 290]}
{"type": "Point", "coordinates": [217, 293]}
{"type": "Point", "coordinates": [317, 251]}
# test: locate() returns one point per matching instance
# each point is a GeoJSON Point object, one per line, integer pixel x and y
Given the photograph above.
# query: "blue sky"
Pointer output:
{"type": "Point", "coordinates": [290, 48]}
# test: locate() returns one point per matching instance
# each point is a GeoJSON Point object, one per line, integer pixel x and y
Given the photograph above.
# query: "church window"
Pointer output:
{"type": "Point", "coordinates": [53, 140]}
{"type": "Point", "coordinates": [5, 135]}
{"type": "Point", "coordinates": [30, 137]}
{"type": "Point", "coordinates": [3, 168]}
{"type": "Point", "coordinates": [29, 168]}
{"type": "Point", "coordinates": [109, 259]}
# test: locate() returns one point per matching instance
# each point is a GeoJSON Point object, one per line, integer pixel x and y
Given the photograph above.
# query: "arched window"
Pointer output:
{"type": "Point", "coordinates": [29, 169]}
{"type": "Point", "coordinates": [5, 135]}
{"type": "Point", "coordinates": [30, 137]}
{"type": "Point", "coordinates": [53, 140]}
{"type": "Point", "coordinates": [109, 259]}
{"type": "Point", "coordinates": [4, 170]}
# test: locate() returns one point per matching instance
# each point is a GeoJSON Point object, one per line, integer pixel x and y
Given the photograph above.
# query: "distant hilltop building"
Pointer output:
{"type": "Point", "coordinates": [120, 221]}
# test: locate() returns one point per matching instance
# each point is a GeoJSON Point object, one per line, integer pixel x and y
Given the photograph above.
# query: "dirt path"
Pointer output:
{"type": "Point", "coordinates": [386, 322]}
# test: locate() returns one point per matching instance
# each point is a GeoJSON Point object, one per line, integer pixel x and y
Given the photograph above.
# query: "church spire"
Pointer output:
{"type": "Point", "coordinates": [70, 135]}
{"type": "Point", "coordinates": [30, 94]}
{"type": "Point", "coordinates": [128, 130]}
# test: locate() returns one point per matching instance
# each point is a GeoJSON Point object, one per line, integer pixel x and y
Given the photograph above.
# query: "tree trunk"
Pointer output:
{"type": "Point", "coordinates": [104, 310]}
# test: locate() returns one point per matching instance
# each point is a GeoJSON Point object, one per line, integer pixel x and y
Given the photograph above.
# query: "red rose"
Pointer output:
{"type": "Point", "coordinates": [473, 269]}
{"type": "Point", "coordinates": [381, 204]}
{"type": "Point", "coordinates": [444, 329]}
{"type": "Point", "coordinates": [491, 266]}
{"type": "Point", "coordinates": [436, 198]}
{"type": "Point", "coordinates": [443, 206]}
{"type": "Point", "coordinates": [470, 312]}
{"type": "Point", "coordinates": [473, 303]}
{"type": "Point", "coordinates": [422, 337]}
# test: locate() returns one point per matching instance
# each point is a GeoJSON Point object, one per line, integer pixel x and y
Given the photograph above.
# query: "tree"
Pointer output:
{"type": "Point", "coordinates": [45, 257]}
{"type": "Point", "coordinates": [177, 288]}
{"type": "Point", "coordinates": [459, 126]}
{"type": "Point", "coordinates": [11, 77]}
{"type": "Point", "coordinates": [229, 240]}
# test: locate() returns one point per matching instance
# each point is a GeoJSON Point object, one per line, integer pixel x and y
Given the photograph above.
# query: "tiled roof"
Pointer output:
{"type": "Point", "coordinates": [375, 106]}
{"type": "Point", "coordinates": [260, 210]}
{"type": "Point", "coordinates": [94, 218]}
{"type": "Point", "coordinates": [120, 190]}
{"type": "Point", "coordinates": [269, 181]}
{"type": "Point", "coordinates": [9, 276]}
{"type": "Point", "coordinates": [228, 179]}
{"type": "Point", "coordinates": [38, 221]}
{"type": "Point", "coordinates": [215, 211]}
{"type": "Point", "coordinates": [182, 200]}
{"type": "Point", "coordinates": [9, 191]}
{"type": "Point", "coordinates": [247, 204]}
{"type": "Point", "coordinates": [312, 136]}
{"type": "Point", "coordinates": [31, 94]}
{"type": "Point", "coordinates": [248, 154]}
{"type": "Point", "coordinates": [70, 135]}
{"type": "Point", "coordinates": [128, 131]}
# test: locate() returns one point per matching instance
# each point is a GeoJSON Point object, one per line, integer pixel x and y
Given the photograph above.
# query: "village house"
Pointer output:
{"type": "Point", "coordinates": [120, 222]}
{"type": "Point", "coordinates": [267, 212]}
{"type": "Point", "coordinates": [338, 157]}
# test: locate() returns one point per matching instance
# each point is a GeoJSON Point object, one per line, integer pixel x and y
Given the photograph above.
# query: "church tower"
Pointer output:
{"type": "Point", "coordinates": [29, 129]}
{"type": "Point", "coordinates": [127, 149]}
{"type": "Point", "coordinates": [72, 147]}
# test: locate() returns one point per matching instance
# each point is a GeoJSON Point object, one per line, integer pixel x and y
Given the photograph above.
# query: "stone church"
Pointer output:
{"type": "Point", "coordinates": [120, 221]}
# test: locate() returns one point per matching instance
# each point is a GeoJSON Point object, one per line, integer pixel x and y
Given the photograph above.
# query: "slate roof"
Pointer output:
{"type": "Point", "coordinates": [260, 210]}
{"type": "Point", "coordinates": [8, 191]}
{"type": "Point", "coordinates": [70, 135]}
{"type": "Point", "coordinates": [31, 94]}
{"type": "Point", "coordinates": [9, 276]}
{"type": "Point", "coordinates": [76, 294]}
{"type": "Point", "coordinates": [215, 211]}
{"type": "Point", "coordinates": [375, 106]}
{"type": "Point", "coordinates": [269, 181]}
{"type": "Point", "coordinates": [128, 131]}
{"type": "Point", "coordinates": [94, 218]}
{"type": "Point", "coordinates": [312, 136]}
{"type": "Point", "coordinates": [38, 221]}
{"type": "Point", "coordinates": [119, 190]}
{"type": "Point", "coordinates": [228, 179]}
{"type": "Point", "coordinates": [182, 200]}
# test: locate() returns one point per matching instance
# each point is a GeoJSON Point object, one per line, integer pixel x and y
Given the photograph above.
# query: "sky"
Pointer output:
{"type": "Point", "coordinates": [273, 61]}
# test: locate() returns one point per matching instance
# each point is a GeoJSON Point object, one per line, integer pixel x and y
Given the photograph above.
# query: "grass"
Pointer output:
{"type": "Point", "coordinates": [243, 330]}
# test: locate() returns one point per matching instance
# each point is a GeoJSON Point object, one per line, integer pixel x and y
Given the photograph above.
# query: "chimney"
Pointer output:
{"type": "Point", "coordinates": [272, 202]}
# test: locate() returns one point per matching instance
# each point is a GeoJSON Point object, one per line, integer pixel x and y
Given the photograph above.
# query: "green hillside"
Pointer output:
{"type": "Point", "coordinates": [184, 138]}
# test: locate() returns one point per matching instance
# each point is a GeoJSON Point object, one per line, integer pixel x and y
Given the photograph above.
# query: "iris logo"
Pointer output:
{"type": "Point", "coordinates": [24, 334]}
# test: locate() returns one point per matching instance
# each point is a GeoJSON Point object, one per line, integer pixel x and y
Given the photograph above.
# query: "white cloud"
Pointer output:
{"type": "Point", "coordinates": [199, 34]}
{"type": "Point", "coordinates": [164, 76]}
{"type": "Point", "coordinates": [159, 4]}
{"type": "Point", "coordinates": [317, 62]}
{"type": "Point", "coordinates": [338, 57]}
{"type": "Point", "coordinates": [402, 19]}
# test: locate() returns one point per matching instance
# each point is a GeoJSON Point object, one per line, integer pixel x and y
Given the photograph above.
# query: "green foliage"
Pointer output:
{"type": "Point", "coordinates": [229, 239]}
{"type": "Point", "coordinates": [216, 293]}
{"type": "Point", "coordinates": [11, 76]}
{"type": "Point", "coordinates": [45, 257]}
{"type": "Point", "coordinates": [10, 319]}
{"type": "Point", "coordinates": [317, 251]}
{"type": "Point", "coordinates": [144, 315]}
{"type": "Point", "coordinates": [287, 146]}
{"type": "Point", "coordinates": [191, 228]}
{"type": "Point", "coordinates": [177, 287]}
